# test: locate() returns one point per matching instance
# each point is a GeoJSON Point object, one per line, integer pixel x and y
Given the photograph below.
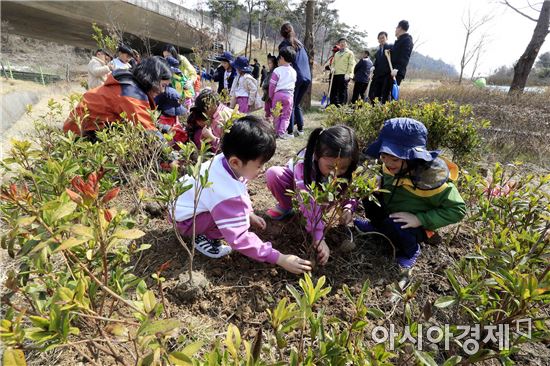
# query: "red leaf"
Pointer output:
{"type": "Point", "coordinates": [78, 183]}
{"type": "Point", "coordinates": [108, 215]}
{"type": "Point", "coordinates": [111, 194]}
{"type": "Point", "coordinates": [75, 197]}
{"type": "Point", "coordinates": [163, 267]}
{"type": "Point", "coordinates": [13, 190]}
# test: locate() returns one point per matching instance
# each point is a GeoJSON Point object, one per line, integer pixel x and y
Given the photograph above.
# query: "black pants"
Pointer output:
{"type": "Point", "coordinates": [406, 241]}
{"type": "Point", "coordinates": [339, 90]}
{"type": "Point", "coordinates": [300, 89]}
{"type": "Point", "coordinates": [381, 89]}
{"type": "Point", "coordinates": [359, 89]}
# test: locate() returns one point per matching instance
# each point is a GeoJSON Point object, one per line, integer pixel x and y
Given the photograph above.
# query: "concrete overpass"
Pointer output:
{"type": "Point", "coordinates": [156, 21]}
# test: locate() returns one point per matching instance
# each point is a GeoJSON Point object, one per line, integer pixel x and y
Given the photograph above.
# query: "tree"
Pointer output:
{"type": "Point", "coordinates": [544, 60]}
{"type": "Point", "coordinates": [309, 46]}
{"type": "Point", "coordinates": [225, 10]}
{"type": "Point", "coordinates": [471, 25]}
{"type": "Point", "coordinates": [525, 63]}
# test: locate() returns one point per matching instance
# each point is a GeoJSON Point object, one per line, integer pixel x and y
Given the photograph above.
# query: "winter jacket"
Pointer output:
{"type": "Point", "coordinates": [301, 64]}
{"type": "Point", "coordinates": [428, 193]}
{"type": "Point", "coordinates": [97, 72]}
{"type": "Point", "coordinates": [381, 65]}
{"type": "Point", "coordinates": [401, 53]}
{"type": "Point", "coordinates": [343, 62]}
{"type": "Point", "coordinates": [244, 86]}
{"type": "Point", "coordinates": [362, 70]}
{"type": "Point", "coordinates": [120, 94]}
{"type": "Point", "coordinates": [229, 204]}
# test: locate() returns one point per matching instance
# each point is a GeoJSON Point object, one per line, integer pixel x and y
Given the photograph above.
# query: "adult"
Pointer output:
{"type": "Point", "coordinates": [401, 51]}
{"type": "Point", "coordinates": [361, 75]}
{"type": "Point", "coordinates": [303, 76]}
{"type": "Point", "coordinates": [343, 64]}
{"type": "Point", "coordinates": [98, 69]}
{"type": "Point", "coordinates": [131, 92]}
{"type": "Point", "coordinates": [225, 73]}
{"type": "Point", "coordinates": [381, 79]}
{"type": "Point", "coordinates": [122, 61]}
{"type": "Point", "coordinates": [256, 69]}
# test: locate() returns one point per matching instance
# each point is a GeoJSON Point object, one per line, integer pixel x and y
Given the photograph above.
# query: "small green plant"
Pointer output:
{"type": "Point", "coordinates": [449, 125]}
{"type": "Point", "coordinates": [107, 42]}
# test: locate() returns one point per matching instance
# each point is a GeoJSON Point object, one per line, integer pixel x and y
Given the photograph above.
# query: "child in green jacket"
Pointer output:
{"type": "Point", "coordinates": [420, 197]}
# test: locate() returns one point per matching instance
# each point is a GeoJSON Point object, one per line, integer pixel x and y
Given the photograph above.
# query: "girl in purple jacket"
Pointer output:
{"type": "Point", "coordinates": [334, 150]}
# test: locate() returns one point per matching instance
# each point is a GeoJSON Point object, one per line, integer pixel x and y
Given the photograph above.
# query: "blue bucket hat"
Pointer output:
{"type": "Point", "coordinates": [169, 102]}
{"type": "Point", "coordinates": [404, 138]}
{"type": "Point", "coordinates": [174, 64]}
{"type": "Point", "coordinates": [241, 63]}
{"type": "Point", "coordinates": [226, 56]}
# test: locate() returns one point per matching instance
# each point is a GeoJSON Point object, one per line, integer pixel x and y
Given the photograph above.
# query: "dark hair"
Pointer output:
{"type": "Point", "coordinates": [150, 72]}
{"type": "Point", "coordinates": [122, 48]}
{"type": "Point", "coordinates": [249, 138]}
{"type": "Point", "coordinates": [334, 142]}
{"type": "Point", "coordinates": [203, 102]}
{"type": "Point", "coordinates": [255, 60]}
{"type": "Point", "coordinates": [99, 50]}
{"type": "Point", "coordinates": [170, 48]}
{"type": "Point", "coordinates": [367, 52]}
{"type": "Point", "coordinates": [288, 54]}
{"type": "Point", "coordinates": [342, 39]}
{"type": "Point", "coordinates": [403, 25]}
{"type": "Point", "coordinates": [382, 34]}
{"type": "Point", "coordinates": [287, 32]}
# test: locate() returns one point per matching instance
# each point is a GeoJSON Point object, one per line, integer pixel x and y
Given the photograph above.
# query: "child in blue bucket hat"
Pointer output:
{"type": "Point", "coordinates": [170, 107]}
{"type": "Point", "coordinates": [419, 196]}
{"type": "Point", "coordinates": [244, 91]}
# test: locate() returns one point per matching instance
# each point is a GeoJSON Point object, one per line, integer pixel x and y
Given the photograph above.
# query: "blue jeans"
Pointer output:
{"type": "Point", "coordinates": [300, 90]}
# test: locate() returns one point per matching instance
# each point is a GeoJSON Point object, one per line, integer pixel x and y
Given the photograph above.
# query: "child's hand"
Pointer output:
{"type": "Point", "coordinates": [257, 221]}
{"type": "Point", "coordinates": [347, 217]}
{"type": "Point", "coordinates": [293, 263]}
{"type": "Point", "coordinates": [410, 220]}
{"type": "Point", "coordinates": [207, 134]}
{"type": "Point", "coordinates": [323, 252]}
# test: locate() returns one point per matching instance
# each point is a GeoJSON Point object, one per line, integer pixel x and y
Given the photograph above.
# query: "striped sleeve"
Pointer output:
{"type": "Point", "coordinates": [232, 219]}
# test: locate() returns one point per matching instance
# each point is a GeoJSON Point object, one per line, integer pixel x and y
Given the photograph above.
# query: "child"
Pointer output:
{"type": "Point", "coordinates": [281, 90]}
{"type": "Point", "coordinates": [224, 208]}
{"type": "Point", "coordinates": [420, 196]}
{"type": "Point", "coordinates": [168, 103]}
{"type": "Point", "coordinates": [272, 64]}
{"type": "Point", "coordinates": [244, 90]}
{"type": "Point", "coordinates": [334, 150]}
{"type": "Point", "coordinates": [123, 60]}
{"type": "Point", "coordinates": [208, 107]}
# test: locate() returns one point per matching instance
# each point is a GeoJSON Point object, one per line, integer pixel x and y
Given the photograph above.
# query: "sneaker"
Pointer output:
{"type": "Point", "coordinates": [407, 263]}
{"type": "Point", "coordinates": [211, 248]}
{"type": "Point", "coordinates": [278, 213]}
{"type": "Point", "coordinates": [363, 225]}
{"type": "Point", "coordinates": [299, 133]}
{"type": "Point", "coordinates": [286, 136]}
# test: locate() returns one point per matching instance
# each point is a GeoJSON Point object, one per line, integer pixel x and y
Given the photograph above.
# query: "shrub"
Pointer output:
{"type": "Point", "coordinates": [449, 125]}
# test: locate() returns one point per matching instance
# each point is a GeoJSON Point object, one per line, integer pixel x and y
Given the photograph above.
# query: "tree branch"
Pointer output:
{"type": "Point", "coordinates": [505, 2]}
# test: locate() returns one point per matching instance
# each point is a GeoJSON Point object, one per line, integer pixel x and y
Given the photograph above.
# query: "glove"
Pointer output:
{"type": "Point", "coordinates": [394, 72]}
{"type": "Point", "coordinates": [346, 77]}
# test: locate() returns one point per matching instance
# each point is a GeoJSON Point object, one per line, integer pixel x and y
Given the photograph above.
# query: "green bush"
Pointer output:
{"type": "Point", "coordinates": [449, 125]}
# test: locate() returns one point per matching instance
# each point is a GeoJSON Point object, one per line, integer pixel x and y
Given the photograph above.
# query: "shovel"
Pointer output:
{"type": "Point", "coordinates": [395, 87]}
{"type": "Point", "coordinates": [326, 98]}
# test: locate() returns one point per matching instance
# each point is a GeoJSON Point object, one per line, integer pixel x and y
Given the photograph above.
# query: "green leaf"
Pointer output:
{"type": "Point", "coordinates": [159, 326]}
{"type": "Point", "coordinates": [63, 210]}
{"type": "Point", "coordinates": [13, 357]}
{"type": "Point", "coordinates": [130, 234]}
{"type": "Point", "coordinates": [192, 348]}
{"type": "Point", "coordinates": [82, 230]}
{"type": "Point", "coordinates": [445, 301]}
{"type": "Point", "coordinates": [69, 243]}
{"type": "Point", "coordinates": [40, 322]}
{"type": "Point", "coordinates": [149, 301]}
{"type": "Point", "coordinates": [179, 359]}
{"type": "Point", "coordinates": [455, 360]}
{"type": "Point", "coordinates": [424, 358]}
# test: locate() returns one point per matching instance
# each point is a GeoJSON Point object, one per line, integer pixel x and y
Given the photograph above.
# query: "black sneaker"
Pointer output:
{"type": "Point", "coordinates": [211, 248]}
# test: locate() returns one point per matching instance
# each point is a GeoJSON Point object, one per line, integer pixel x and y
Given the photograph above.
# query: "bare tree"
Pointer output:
{"type": "Point", "coordinates": [478, 50]}
{"type": "Point", "coordinates": [471, 25]}
{"type": "Point", "coordinates": [525, 63]}
{"type": "Point", "coordinates": [309, 46]}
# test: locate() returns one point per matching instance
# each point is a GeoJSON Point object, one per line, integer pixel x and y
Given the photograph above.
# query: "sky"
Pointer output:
{"type": "Point", "coordinates": [437, 25]}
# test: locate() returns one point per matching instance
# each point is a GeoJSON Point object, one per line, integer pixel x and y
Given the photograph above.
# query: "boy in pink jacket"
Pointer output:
{"type": "Point", "coordinates": [224, 209]}
{"type": "Point", "coordinates": [281, 90]}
